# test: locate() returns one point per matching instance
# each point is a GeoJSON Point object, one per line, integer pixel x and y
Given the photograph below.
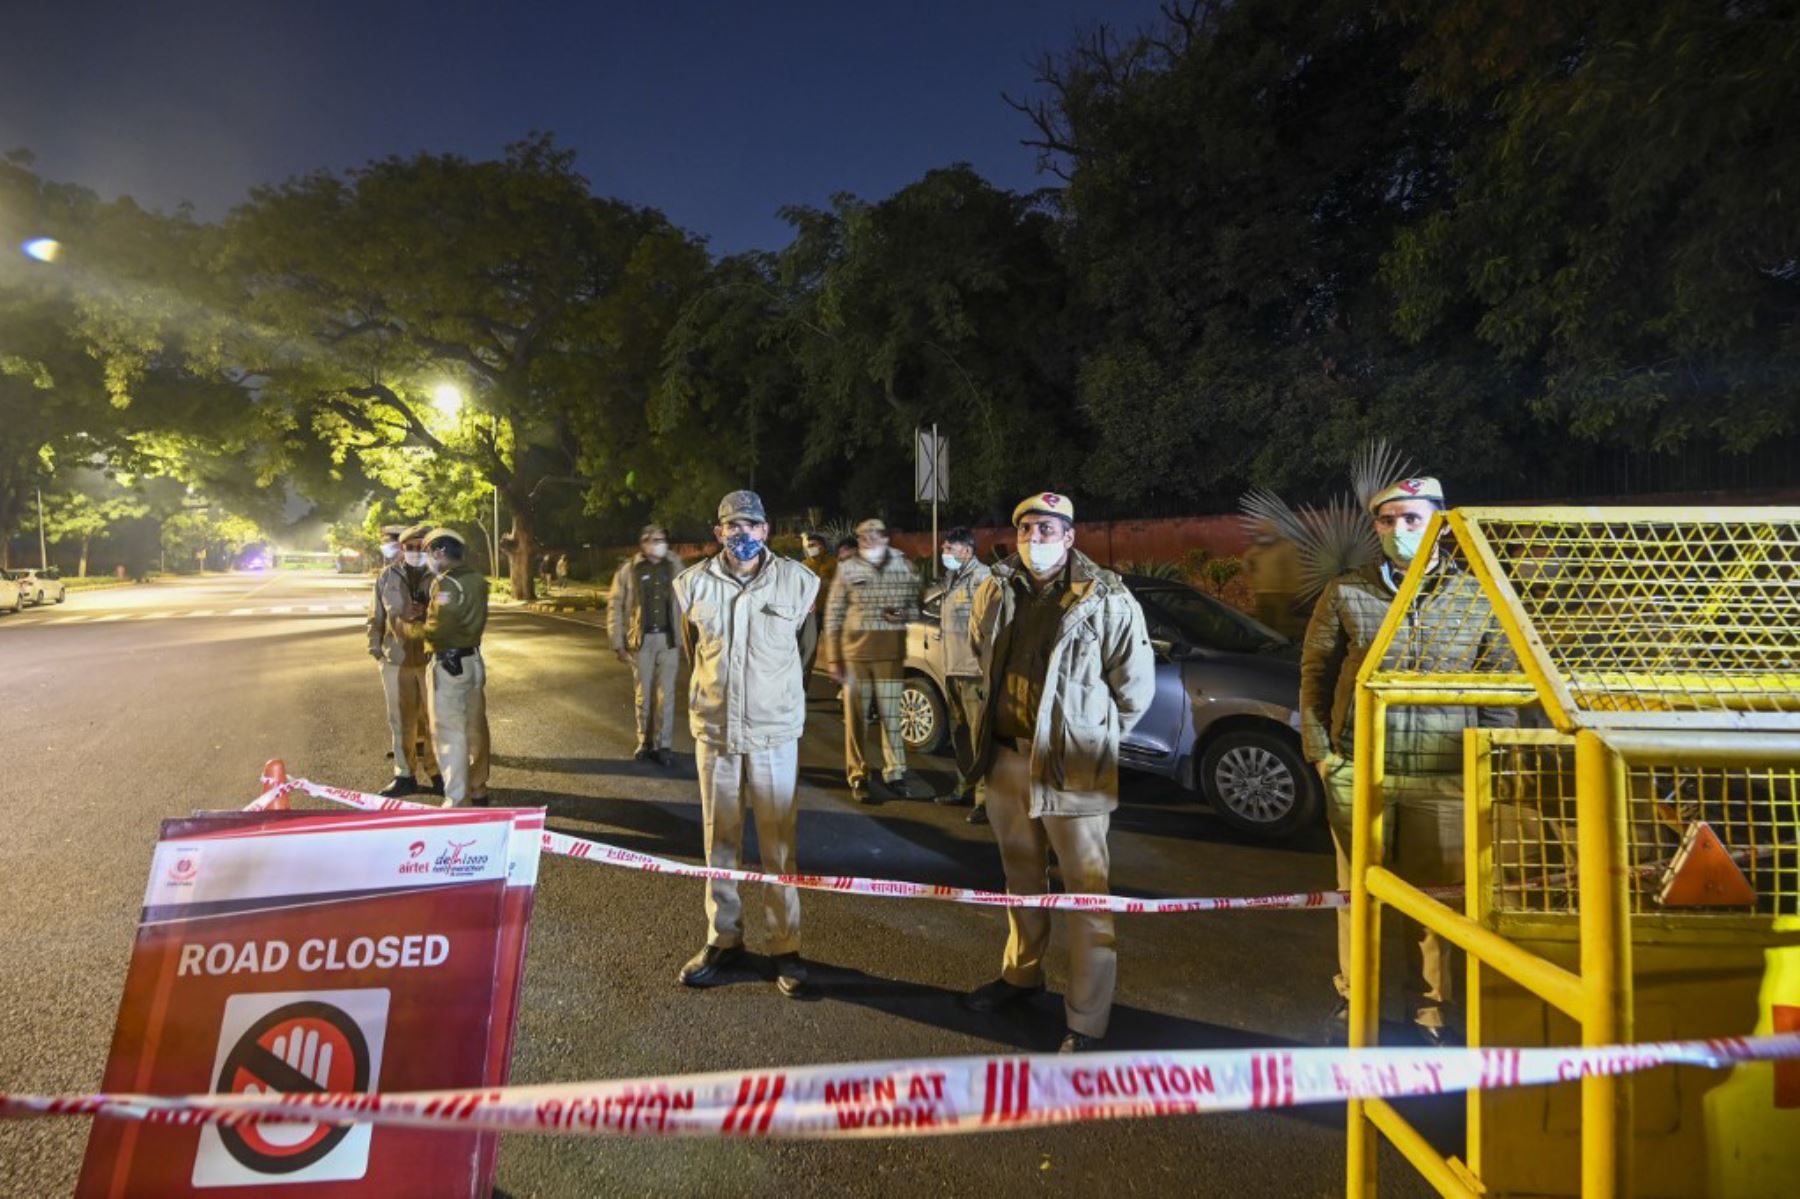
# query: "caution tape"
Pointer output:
{"type": "Point", "coordinates": [580, 849]}
{"type": "Point", "coordinates": [931, 1096]}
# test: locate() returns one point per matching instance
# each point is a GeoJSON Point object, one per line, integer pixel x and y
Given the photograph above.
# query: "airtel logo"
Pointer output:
{"type": "Point", "coordinates": [415, 849]}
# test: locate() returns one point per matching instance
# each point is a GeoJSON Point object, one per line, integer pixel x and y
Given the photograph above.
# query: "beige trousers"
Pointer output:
{"type": "Point", "coordinates": [1424, 828]}
{"type": "Point", "coordinates": [764, 782]}
{"type": "Point", "coordinates": [964, 702]}
{"type": "Point", "coordinates": [459, 726]}
{"type": "Point", "coordinates": [653, 670]}
{"type": "Point", "coordinates": [409, 722]}
{"type": "Point", "coordinates": [1081, 853]}
{"type": "Point", "coordinates": [881, 679]}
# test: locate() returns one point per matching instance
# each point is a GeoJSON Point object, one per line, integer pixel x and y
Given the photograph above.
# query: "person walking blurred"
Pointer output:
{"type": "Point", "coordinates": [874, 596]}
{"type": "Point", "coordinates": [1272, 568]}
{"type": "Point", "coordinates": [641, 623]}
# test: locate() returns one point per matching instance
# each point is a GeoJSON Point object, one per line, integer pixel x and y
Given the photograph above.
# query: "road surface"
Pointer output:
{"type": "Point", "coordinates": [124, 707]}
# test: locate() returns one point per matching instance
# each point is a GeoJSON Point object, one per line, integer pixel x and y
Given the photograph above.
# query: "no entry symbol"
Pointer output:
{"type": "Point", "coordinates": [302, 1047]}
{"type": "Point", "coordinates": [293, 1042]}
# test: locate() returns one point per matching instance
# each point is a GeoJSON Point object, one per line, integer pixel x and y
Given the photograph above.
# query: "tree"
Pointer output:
{"type": "Point", "coordinates": [77, 516]}
{"type": "Point", "coordinates": [207, 535]}
{"type": "Point", "coordinates": [509, 280]}
{"type": "Point", "coordinates": [1620, 226]}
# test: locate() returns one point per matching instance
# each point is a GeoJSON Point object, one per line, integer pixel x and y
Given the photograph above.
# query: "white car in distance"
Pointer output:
{"type": "Point", "coordinates": [39, 586]}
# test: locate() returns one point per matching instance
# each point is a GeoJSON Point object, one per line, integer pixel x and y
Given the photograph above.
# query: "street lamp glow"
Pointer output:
{"type": "Point", "coordinates": [448, 398]}
{"type": "Point", "coordinates": [44, 249]}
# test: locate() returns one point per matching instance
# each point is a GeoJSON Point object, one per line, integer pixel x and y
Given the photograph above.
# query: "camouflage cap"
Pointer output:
{"type": "Point", "coordinates": [873, 525]}
{"type": "Point", "coordinates": [742, 505]}
{"type": "Point", "coordinates": [652, 532]}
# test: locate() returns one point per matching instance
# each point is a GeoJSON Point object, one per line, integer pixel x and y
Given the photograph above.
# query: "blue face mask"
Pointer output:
{"type": "Point", "coordinates": [743, 547]}
{"type": "Point", "coordinates": [1402, 545]}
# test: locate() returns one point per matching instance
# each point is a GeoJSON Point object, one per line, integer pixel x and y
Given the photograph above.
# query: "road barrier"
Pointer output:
{"type": "Point", "coordinates": [932, 1096]}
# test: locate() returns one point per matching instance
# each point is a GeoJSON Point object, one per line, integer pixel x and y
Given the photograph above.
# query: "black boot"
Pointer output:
{"type": "Point", "coordinates": [403, 785]}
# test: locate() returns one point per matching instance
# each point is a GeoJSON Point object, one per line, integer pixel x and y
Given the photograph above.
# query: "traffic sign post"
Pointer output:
{"type": "Point", "coordinates": [287, 951]}
{"type": "Point", "coordinates": [931, 478]}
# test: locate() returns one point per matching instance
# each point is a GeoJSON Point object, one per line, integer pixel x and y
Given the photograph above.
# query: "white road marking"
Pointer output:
{"type": "Point", "coordinates": [201, 612]}
{"type": "Point", "coordinates": [159, 615]}
{"type": "Point", "coordinates": [242, 611]}
{"type": "Point", "coordinates": [319, 608]}
{"type": "Point", "coordinates": [281, 611]}
{"type": "Point", "coordinates": [114, 616]}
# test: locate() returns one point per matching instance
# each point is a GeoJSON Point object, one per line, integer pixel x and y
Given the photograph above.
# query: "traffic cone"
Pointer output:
{"type": "Point", "coordinates": [274, 775]}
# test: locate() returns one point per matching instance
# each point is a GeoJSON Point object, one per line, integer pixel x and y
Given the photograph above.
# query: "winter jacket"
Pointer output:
{"type": "Point", "coordinates": [960, 659]}
{"type": "Point", "coordinates": [856, 629]}
{"type": "Point", "coordinates": [1449, 629]}
{"type": "Point", "coordinates": [748, 691]}
{"type": "Point", "coordinates": [1100, 679]}
{"type": "Point", "coordinates": [395, 589]}
{"type": "Point", "coordinates": [624, 615]}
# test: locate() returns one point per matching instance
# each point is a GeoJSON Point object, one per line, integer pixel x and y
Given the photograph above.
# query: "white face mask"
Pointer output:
{"type": "Point", "coordinates": [873, 555]}
{"type": "Point", "coordinates": [1045, 556]}
{"type": "Point", "coordinates": [656, 551]}
{"type": "Point", "coordinates": [390, 550]}
{"type": "Point", "coordinates": [812, 551]}
{"type": "Point", "coordinates": [415, 557]}
{"type": "Point", "coordinates": [950, 561]}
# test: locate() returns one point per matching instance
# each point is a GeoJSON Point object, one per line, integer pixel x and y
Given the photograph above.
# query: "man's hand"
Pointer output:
{"type": "Point", "coordinates": [836, 671]}
{"type": "Point", "coordinates": [375, 654]}
{"type": "Point", "coordinates": [623, 655]}
{"type": "Point", "coordinates": [1326, 765]}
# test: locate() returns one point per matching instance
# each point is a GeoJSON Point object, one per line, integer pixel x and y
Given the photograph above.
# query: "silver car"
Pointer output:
{"type": "Point", "coordinates": [1225, 721]}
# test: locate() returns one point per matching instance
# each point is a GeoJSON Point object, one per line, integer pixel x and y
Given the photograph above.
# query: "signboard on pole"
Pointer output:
{"type": "Point", "coordinates": [931, 474]}
{"type": "Point", "coordinates": [300, 951]}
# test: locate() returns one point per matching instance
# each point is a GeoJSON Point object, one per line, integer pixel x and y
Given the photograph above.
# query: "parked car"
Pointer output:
{"type": "Point", "coordinates": [10, 599]}
{"type": "Point", "coordinates": [1225, 720]}
{"type": "Point", "coordinates": [40, 586]}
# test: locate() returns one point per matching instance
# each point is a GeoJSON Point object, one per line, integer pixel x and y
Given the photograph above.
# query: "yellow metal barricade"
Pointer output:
{"type": "Point", "coordinates": [1662, 649]}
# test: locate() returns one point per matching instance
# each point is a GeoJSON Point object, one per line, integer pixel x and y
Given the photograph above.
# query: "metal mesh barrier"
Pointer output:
{"type": "Point", "coordinates": [1449, 630]}
{"type": "Point", "coordinates": [1656, 612]}
{"type": "Point", "coordinates": [1753, 810]}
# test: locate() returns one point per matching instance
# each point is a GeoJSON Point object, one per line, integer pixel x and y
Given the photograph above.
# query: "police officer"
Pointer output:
{"type": "Point", "coordinates": [818, 559]}
{"type": "Point", "coordinates": [741, 613]}
{"type": "Point", "coordinates": [398, 597]}
{"type": "Point", "coordinates": [641, 619]}
{"type": "Point", "coordinates": [874, 596]}
{"type": "Point", "coordinates": [962, 669]}
{"type": "Point", "coordinates": [1066, 671]}
{"type": "Point", "coordinates": [455, 617]}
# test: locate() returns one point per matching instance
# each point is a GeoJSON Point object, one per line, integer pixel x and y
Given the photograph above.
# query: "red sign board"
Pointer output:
{"type": "Point", "coordinates": [299, 951]}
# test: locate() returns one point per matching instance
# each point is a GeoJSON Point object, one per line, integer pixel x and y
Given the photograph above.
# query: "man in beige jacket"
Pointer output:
{"type": "Point", "coordinates": [399, 593]}
{"type": "Point", "coordinates": [741, 612]}
{"type": "Point", "coordinates": [641, 617]}
{"type": "Point", "coordinates": [1066, 671]}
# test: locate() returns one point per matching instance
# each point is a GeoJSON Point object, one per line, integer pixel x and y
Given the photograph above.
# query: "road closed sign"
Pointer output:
{"type": "Point", "coordinates": [300, 952]}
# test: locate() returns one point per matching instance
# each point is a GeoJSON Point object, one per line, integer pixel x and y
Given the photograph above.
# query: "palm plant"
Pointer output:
{"type": "Point", "coordinates": [1337, 537]}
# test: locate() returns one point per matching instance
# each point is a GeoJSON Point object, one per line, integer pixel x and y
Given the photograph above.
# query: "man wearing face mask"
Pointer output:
{"type": "Point", "coordinates": [641, 618]}
{"type": "Point", "coordinates": [1066, 670]}
{"type": "Point", "coordinates": [740, 615]}
{"type": "Point", "coordinates": [965, 572]}
{"type": "Point", "coordinates": [455, 618]}
{"type": "Point", "coordinates": [876, 593]}
{"type": "Point", "coordinates": [398, 591]}
{"type": "Point", "coordinates": [1450, 627]}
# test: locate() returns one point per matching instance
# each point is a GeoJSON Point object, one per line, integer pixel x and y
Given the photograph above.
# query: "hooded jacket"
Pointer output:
{"type": "Point", "coordinates": [1099, 680]}
{"type": "Point", "coordinates": [748, 691]}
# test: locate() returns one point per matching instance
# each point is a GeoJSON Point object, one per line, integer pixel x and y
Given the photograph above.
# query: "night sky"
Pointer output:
{"type": "Point", "coordinates": [717, 113]}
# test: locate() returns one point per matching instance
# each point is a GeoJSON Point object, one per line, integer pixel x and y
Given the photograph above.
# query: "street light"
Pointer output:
{"type": "Point", "coordinates": [447, 398]}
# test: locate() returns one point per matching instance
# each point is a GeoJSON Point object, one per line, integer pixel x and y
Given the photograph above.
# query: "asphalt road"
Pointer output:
{"type": "Point", "coordinates": [125, 707]}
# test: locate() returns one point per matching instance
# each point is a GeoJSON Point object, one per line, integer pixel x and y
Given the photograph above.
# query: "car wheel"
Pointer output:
{"type": "Point", "coordinates": [62, 595]}
{"type": "Point", "coordinates": [924, 723]}
{"type": "Point", "coordinates": [1258, 782]}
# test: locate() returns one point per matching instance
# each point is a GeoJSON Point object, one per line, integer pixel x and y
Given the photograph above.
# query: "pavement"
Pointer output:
{"type": "Point", "coordinates": [126, 707]}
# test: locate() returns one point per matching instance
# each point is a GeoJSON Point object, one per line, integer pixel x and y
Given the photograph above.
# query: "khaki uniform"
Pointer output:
{"type": "Point", "coordinates": [1450, 628]}
{"type": "Point", "coordinates": [642, 619]}
{"type": "Point", "coordinates": [746, 710]}
{"type": "Point", "coordinates": [825, 568]}
{"type": "Point", "coordinates": [403, 661]}
{"type": "Point", "coordinates": [962, 671]}
{"type": "Point", "coordinates": [872, 650]}
{"type": "Point", "coordinates": [1082, 665]}
{"type": "Point", "coordinates": [1274, 574]}
{"type": "Point", "coordinates": [455, 618]}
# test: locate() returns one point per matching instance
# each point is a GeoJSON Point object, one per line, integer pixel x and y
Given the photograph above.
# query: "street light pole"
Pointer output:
{"type": "Point", "coordinates": [494, 549]}
{"type": "Point", "coordinates": [43, 548]}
